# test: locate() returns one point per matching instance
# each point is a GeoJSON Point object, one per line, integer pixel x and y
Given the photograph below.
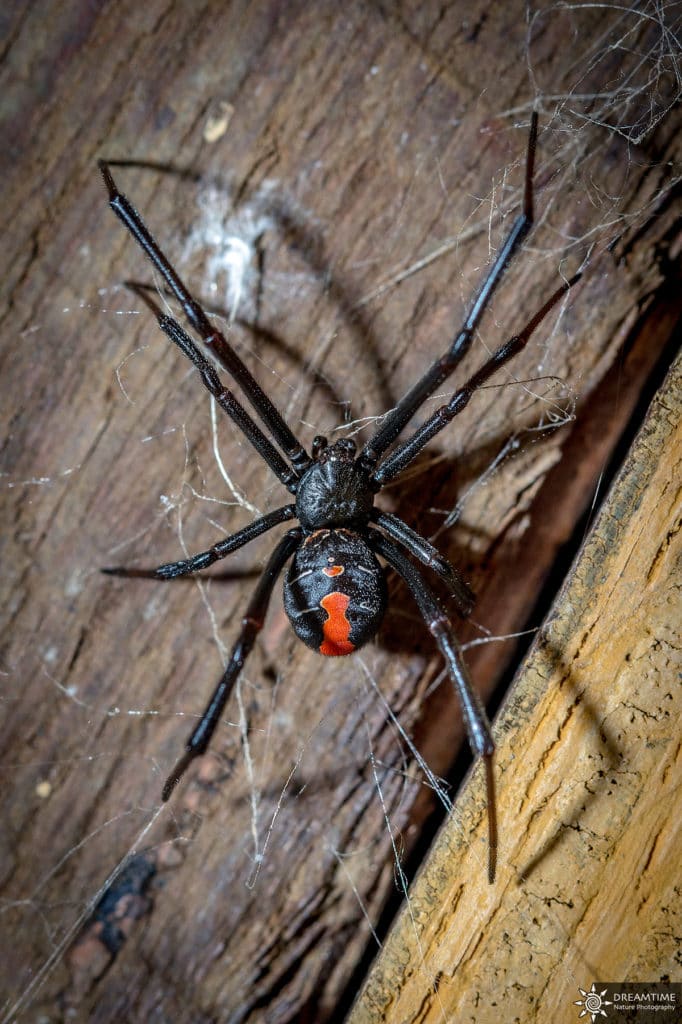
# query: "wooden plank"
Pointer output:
{"type": "Point", "coordinates": [589, 761]}
{"type": "Point", "coordinates": [362, 162]}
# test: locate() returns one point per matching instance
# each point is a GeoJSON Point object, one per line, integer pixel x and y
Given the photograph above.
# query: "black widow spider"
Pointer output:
{"type": "Point", "coordinates": [335, 591]}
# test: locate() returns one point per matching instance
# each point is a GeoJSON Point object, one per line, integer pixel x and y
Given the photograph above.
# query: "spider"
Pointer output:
{"type": "Point", "coordinates": [335, 590]}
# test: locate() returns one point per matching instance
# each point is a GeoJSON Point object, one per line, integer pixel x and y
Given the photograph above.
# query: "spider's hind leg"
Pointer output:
{"type": "Point", "coordinates": [476, 721]}
{"type": "Point", "coordinates": [429, 556]}
{"type": "Point", "coordinates": [252, 623]}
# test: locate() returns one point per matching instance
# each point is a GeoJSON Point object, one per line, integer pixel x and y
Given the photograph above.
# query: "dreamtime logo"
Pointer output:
{"type": "Point", "coordinates": [625, 1001]}
{"type": "Point", "coordinates": [593, 1002]}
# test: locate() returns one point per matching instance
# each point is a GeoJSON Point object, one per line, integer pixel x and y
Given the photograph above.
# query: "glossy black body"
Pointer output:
{"type": "Point", "coordinates": [335, 490]}
{"type": "Point", "coordinates": [335, 591]}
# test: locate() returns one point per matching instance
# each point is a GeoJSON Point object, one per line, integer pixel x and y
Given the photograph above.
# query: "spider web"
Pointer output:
{"type": "Point", "coordinates": [263, 265]}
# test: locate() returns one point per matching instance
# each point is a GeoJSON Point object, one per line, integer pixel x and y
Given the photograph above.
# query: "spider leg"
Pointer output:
{"type": "Point", "coordinates": [171, 570]}
{"type": "Point", "coordinates": [475, 719]}
{"type": "Point", "coordinates": [401, 456]}
{"type": "Point", "coordinates": [443, 367]}
{"type": "Point", "coordinates": [225, 399]}
{"type": "Point", "coordinates": [429, 556]}
{"type": "Point", "coordinates": [211, 336]}
{"type": "Point", "coordinates": [252, 623]}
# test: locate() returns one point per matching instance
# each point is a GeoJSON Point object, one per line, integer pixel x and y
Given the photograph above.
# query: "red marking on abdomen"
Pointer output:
{"type": "Point", "coordinates": [336, 629]}
{"type": "Point", "coordinates": [333, 570]}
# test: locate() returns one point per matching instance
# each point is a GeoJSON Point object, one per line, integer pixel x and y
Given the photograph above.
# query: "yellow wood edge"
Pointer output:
{"type": "Point", "coordinates": [588, 782]}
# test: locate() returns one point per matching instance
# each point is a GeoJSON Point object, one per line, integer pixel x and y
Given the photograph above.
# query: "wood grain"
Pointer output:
{"type": "Point", "coordinates": [589, 760]}
{"type": "Point", "coordinates": [339, 177]}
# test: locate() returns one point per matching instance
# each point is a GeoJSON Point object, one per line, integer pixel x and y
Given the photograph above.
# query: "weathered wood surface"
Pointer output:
{"type": "Point", "coordinates": [346, 173]}
{"type": "Point", "coordinates": [589, 883]}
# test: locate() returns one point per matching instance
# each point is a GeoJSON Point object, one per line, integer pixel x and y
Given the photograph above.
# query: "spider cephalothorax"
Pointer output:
{"type": "Point", "coordinates": [335, 592]}
{"type": "Point", "coordinates": [335, 489]}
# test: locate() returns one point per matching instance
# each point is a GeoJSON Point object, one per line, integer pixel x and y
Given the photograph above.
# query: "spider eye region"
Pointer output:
{"type": "Point", "coordinates": [335, 592]}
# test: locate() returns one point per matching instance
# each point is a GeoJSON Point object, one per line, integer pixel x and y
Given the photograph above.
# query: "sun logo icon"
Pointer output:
{"type": "Point", "coordinates": [593, 1002]}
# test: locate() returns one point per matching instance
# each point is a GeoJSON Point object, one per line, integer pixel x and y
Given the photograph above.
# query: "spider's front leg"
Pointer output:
{"type": "Point", "coordinates": [213, 338]}
{"type": "Point", "coordinates": [439, 371]}
{"type": "Point", "coordinates": [403, 455]}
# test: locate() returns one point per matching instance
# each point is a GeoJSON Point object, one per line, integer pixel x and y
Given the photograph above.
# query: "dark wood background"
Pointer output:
{"type": "Point", "coordinates": [336, 177]}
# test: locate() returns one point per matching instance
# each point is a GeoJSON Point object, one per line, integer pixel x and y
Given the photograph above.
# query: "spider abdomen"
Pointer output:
{"type": "Point", "coordinates": [335, 592]}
